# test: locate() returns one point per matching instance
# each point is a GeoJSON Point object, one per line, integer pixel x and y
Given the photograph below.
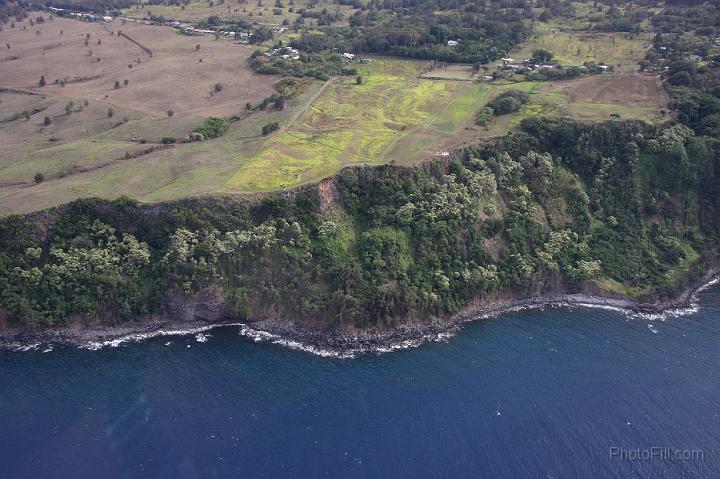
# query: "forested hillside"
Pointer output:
{"type": "Point", "coordinates": [615, 207]}
{"type": "Point", "coordinates": [556, 205]}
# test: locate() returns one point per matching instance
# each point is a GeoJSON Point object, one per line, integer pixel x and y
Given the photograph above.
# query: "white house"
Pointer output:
{"type": "Point", "coordinates": [348, 56]}
{"type": "Point", "coordinates": [452, 43]}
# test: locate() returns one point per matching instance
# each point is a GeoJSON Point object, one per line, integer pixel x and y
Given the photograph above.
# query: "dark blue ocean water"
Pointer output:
{"type": "Point", "coordinates": [532, 394]}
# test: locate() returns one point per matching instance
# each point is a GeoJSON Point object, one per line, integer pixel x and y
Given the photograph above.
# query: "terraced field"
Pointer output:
{"type": "Point", "coordinates": [392, 115]}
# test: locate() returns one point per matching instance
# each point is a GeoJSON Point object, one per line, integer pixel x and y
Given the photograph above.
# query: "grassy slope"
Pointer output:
{"type": "Point", "coordinates": [394, 115]}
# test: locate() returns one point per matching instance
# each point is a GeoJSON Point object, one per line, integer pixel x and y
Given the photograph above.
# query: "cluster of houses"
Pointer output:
{"type": "Point", "coordinates": [90, 17]}
{"type": "Point", "coordinates": [198, 31]}
{"type": "Point", "coordinates": [349, 57]}
{"type": "Point", "coordinates": [241, 37]}
{"type": "Point", "coordinates": [285, 53]}
{"type": "Point", "coordinates": [528, 65]}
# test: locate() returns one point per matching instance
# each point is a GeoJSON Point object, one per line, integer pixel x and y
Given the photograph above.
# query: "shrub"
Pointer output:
{"type": "Point", "coordinates": [484, 116]}
{"type": "Point", "coordinates": [269, 128]}
{"type": "Point", "coordinates": [212, 127]}
{"type": "Point", "coordinates": [508, 102]}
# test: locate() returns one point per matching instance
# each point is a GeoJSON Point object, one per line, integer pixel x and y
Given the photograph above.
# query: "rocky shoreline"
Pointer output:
{"type": "Point", "coordinates": [344, 344]}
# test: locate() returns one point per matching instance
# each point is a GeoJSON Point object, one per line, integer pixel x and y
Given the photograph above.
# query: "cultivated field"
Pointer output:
{"type": "Point", "coordinates": [392, 115]}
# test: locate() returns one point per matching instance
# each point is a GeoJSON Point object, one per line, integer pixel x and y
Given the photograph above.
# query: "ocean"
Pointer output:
{"type": "Point", "coordinates": [563, 392]}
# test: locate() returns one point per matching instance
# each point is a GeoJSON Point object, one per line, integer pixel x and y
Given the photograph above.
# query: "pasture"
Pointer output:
{"type": "Point", "coordinates": [264, 13]}
{"type": "Point", "coordinates": [87, 137]}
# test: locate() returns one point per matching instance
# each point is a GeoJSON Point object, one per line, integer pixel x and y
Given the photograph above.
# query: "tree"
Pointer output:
{"type": "Point", "coordinates": [68, 109]}
{"type": "Point", "coordinates": [280, 102]}
{"type": "Point", "coordinates": [197, 47]}
{"type": "Point", "coordinates": [125, 82]}
{"type": "Point", "coordinates": [170, 113]}
{"type": "Point", "coordinates": [117, 84]}
{"type": "Point", "coordinates": [47, 121]}
{"type": "Point", "coordinates": [358, 80]}
{"type": "Point", "coordinates": [217, 88]}
{"type": "Point", "coordinates": [39, 178]}
{"type": "Point", "coordinates": [110, 113]}
{"type": "Point", "coordinates": [541, 55]}
{"type": "Point", "coordinates": [42, 81]}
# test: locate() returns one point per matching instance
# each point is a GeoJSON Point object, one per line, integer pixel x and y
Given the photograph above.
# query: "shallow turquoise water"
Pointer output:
{"type": "Point", "coordinates": [531, 394]}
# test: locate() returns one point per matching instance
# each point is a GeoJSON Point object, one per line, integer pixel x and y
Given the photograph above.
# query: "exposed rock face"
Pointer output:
{"type": "Point", "coordinates": [207, 305]}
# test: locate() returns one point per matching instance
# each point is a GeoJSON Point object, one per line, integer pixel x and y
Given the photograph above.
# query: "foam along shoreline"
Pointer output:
{"type": "Point", "coordinates": [339, 344]}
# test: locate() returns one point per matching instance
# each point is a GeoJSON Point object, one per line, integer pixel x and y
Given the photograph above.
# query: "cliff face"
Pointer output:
{"type": "Point", "coordinates": [620, 209]}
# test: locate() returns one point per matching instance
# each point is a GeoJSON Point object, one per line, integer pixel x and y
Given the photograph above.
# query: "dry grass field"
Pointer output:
{"type": "Point", "coordinates": [251, 11]}
{"type": "Point", "coordinates": [173, 78]}
{"type": "Point", "coordinates": [79, 148]}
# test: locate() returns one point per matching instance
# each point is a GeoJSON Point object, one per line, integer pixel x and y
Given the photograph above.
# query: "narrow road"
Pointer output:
{"type": "Point", "coordinates": [300, 111]}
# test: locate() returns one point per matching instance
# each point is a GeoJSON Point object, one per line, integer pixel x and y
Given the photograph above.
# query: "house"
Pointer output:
{"type": "Point", "coordinates": [508, 60]}
{"type": "Point", "coordinates": [452, 43]}
{"type": "Point", "coordinates": [603, 67]}
{"type": "Point", "coordinates": [348, 56]}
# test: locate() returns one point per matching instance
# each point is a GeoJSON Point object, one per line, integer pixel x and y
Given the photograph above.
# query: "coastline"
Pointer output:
{"type": "Point", "coordinates": [340, 344]}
